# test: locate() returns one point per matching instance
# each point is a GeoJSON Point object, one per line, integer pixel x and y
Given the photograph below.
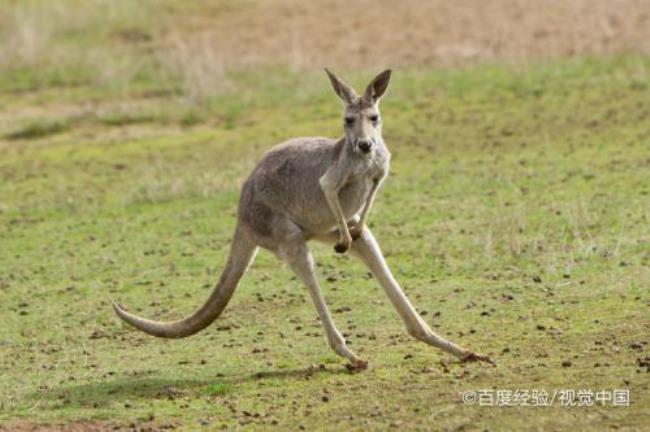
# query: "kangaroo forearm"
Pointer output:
{"type": "Point", "coordinates": [369, 202]}
{"type": "Point", "coordinates": [366, 210]}
{"type": "Point", "coordinates": [335, 206]}
{"type": "Point", "coordinates": [331, 184]}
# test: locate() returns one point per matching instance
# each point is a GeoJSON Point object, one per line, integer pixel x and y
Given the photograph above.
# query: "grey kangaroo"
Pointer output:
{"type": "Point", "coordinates": [313, 189]}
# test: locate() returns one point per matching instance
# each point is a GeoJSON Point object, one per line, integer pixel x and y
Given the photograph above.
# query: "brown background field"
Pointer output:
{"type": "Point", "coordinates": [365, 33]}
{"type": "Point", "coordinates": [208, 38]}
{"type": "Point", "coordinates": [196, 48]}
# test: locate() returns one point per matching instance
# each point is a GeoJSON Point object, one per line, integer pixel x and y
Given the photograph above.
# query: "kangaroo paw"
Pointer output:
{"type": "Point", "coordinates": [341, 247]}
{"type": "Point", "coordinates": [356, 231]}
{"type": "Point", "coordinates": [357, 366]}
{"type": "Point", "coordinates": [471, 357]}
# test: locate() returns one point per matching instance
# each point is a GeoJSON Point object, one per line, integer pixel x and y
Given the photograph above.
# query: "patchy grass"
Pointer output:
{"type": "Point", "coordinates": [515, 217]}
{"type": "Point", "coordinates": [39, 129]}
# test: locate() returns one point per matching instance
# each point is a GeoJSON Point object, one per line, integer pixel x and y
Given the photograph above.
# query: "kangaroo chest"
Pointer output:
{"type": "Point", "coordinates": [361, 181]}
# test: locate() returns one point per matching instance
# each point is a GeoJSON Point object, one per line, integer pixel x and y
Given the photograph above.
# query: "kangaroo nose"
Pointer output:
{"type": "Point", "coordinates": [364, 145]}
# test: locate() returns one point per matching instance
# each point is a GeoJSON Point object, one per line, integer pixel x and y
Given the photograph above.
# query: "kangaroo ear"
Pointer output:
{"type": "Point", "coordinates": [377, 86]}
{"type": "Point", "coordinates": [343, 90]}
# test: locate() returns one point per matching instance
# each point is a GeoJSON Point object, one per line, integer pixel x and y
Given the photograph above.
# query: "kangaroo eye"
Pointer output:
{"type": "Point", "coordinates": [374, 118]}
{"type": "Point", "coordinates": [349, 121]}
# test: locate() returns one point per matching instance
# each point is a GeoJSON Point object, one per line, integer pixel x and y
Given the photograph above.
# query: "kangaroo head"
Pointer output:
{"type": "Point", "coordinates": [361, 118]}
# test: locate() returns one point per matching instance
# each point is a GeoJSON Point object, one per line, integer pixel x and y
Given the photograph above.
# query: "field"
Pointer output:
{"type": "Point", "coordinates": [515, 215]}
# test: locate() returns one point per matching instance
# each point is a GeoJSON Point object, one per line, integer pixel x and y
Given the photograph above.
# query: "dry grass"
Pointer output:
{"type": "Point", "coordinates": [69, 33]}
{"type": "Point", "coordinates": [198, 64]}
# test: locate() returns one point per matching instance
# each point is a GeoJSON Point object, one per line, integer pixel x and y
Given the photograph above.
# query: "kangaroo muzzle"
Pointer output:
{"type": "Point", "coordinates": [365, 145]}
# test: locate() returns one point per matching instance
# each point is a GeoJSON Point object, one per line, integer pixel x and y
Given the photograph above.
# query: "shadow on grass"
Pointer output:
{"type": "Point", "coordinates": [291, 374]}
{"type": "Point", "coordinates": [101, 393]}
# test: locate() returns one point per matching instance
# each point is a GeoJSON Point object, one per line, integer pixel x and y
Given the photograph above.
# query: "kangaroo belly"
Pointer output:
{"type": "Point", "coordinates": [352, 197]}
{"type": "Point", "coordinates": [319, 218]}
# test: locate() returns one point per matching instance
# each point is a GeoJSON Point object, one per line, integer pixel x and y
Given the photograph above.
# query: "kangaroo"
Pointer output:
{"type": "Point", "coordinates": [313, 189]}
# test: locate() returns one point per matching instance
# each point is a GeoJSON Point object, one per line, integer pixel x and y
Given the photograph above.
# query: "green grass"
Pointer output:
{"type": "Point", "coordinates": [38, 129]}
{"type": "Point", "coordinates": [515, 217]}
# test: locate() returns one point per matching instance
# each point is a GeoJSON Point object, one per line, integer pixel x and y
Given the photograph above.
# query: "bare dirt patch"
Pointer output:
{"type": "Point", "coordinates": [85, 426]}
{"type": "Point", "coordinates": [369, 33]}
{"type": "Point", "coordinates": [67, 427]}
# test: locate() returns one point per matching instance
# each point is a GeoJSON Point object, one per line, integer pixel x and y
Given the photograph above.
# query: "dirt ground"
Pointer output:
{"type": "Point", "coordinates": [375, 33]}
{"type": "Point", "coordinates": [86, 426]}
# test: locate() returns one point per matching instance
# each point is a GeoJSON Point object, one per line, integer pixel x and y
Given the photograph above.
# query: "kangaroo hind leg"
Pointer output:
{"type": "Point", "coordinates": [301, 261]}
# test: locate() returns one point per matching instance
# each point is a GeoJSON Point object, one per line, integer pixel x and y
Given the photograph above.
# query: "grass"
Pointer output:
{"type": "Point", "coordinates": [515, 217]}
{"type": "Point", "coordinates": [38, 129]}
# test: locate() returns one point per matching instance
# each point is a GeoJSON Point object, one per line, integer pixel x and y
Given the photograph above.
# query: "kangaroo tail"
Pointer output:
{"type": "Point", "coordinates": [242, 253]}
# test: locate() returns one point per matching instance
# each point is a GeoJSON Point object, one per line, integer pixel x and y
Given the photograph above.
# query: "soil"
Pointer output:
{"type": "Point", "coordinates": [376, 33]}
